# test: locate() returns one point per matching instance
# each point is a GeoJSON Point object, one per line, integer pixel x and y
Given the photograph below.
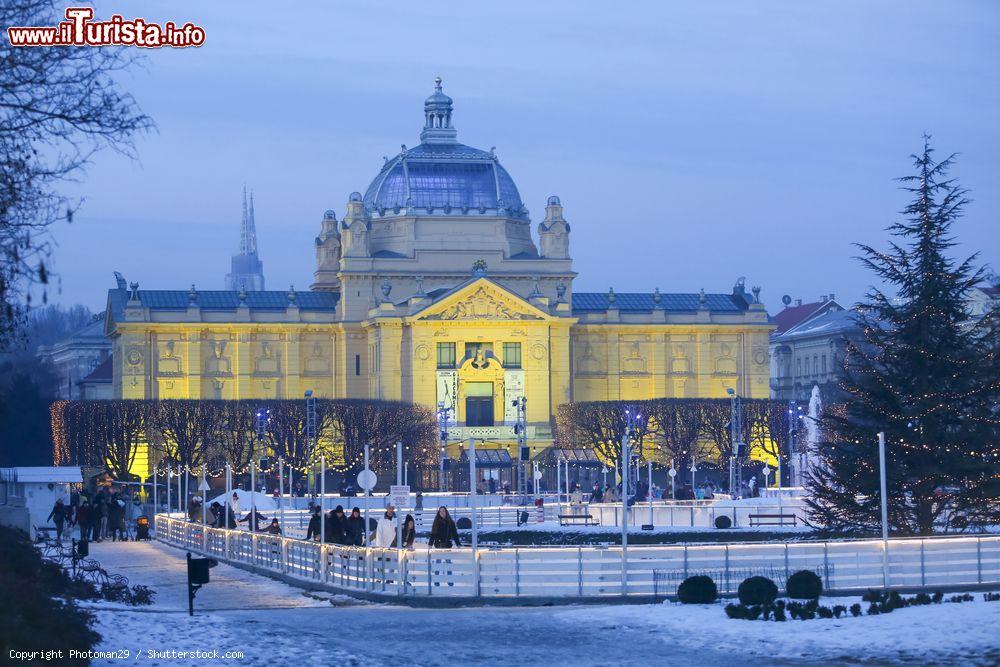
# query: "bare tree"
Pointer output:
{"type": "Point", "coordinates": [600, 425]}
{"type": "Point", "coordinates": [186, 429]}
{"type": "Point", "coordinates": [58, 105]}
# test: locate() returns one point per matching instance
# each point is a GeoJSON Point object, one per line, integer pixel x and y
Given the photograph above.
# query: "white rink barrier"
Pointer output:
{"type": "Point", "coordinates": [665, 514]}
{"type": "Point", "coordinates": [592, 571]}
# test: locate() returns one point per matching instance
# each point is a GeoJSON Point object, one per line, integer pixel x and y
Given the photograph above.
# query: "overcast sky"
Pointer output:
{"type": "Point", "coordinates": [690, 142]}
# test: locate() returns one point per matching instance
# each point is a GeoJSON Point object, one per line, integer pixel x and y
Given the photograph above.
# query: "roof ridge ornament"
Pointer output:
{"type": "Point", "coordinates": [657, 299]}
{"type": "Point", "coordinates": [479, 268]}
{"type": "Point", "coordinates": [437, 118]}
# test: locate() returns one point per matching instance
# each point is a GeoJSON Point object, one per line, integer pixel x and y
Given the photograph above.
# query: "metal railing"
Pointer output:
{"type": "Point", "coordinates": [583, 571]}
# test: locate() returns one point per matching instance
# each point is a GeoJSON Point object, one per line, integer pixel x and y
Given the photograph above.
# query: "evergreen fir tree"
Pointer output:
{"type": "Point", "coordinates": [925, 372]}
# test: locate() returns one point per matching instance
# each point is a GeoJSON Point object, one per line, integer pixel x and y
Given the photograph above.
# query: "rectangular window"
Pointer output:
{"type": "Point", "coordinates": [511, 355]}
{"type": "Point", "coordinates": [357, 364]}
{"type": "Point", "coordinates": [446, 355]}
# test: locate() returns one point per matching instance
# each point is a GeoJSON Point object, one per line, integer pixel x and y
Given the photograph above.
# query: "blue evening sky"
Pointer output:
{"type": "Point", "coordinates": [690, 142]}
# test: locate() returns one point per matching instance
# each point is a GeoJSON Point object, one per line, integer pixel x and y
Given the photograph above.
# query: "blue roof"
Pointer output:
{"type": "Point", "coordinates": [448, 177]}
{"type": "Point", "coordinates": [597, 302]}
{"type": "Point", "coordinates": [222, 300]}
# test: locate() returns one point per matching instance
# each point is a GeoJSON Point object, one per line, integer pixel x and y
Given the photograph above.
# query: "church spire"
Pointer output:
{"type": "Point", "coordinates": [247, 271]}
{"type": "Point", "coordinates": [437, 118]}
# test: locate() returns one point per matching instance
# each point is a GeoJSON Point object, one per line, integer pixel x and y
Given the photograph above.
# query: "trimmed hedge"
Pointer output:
{"type": "Point", "coordinates": [804, 585]}
{"type": "Point", "coordinates": [723, 521]}
{"type": "Point", "coordinates": [757, 590]}
{"type": "Point", "coordinates": [699, 589]}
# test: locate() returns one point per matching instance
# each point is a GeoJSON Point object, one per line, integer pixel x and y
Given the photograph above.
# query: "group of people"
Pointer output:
{"type": "Point", "coordinates": [105, 516]}
{"type": "Point", "coordinates": [336, 527]}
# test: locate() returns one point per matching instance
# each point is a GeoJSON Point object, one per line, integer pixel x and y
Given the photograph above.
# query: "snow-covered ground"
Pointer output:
{"type": "Point", "coordinates": [966, 633]}
{"type": "Point", "coordinates": [275, 624]}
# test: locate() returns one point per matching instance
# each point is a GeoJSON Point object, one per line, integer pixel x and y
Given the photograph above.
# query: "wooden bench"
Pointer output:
{"type": "Point", "coordinates": [576, 519]}
{"type": "Point", "coordinates": [772, 519]}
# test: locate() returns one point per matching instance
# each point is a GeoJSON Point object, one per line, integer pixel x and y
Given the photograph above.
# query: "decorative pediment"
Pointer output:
{"type": "Point", "coordinates": [481, 300]}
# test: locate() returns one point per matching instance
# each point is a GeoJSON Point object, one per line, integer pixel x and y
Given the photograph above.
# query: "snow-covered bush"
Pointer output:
{"type": "Point", "coordinates": [757, 590]}
{"type": "Point", "coordinates": [804, 585]}
{"type": "Point", "coordinates": [699, 589]}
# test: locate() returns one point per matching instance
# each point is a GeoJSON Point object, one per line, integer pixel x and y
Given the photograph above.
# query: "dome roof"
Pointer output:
{"type": "Point", "coordinates": [442, 176]}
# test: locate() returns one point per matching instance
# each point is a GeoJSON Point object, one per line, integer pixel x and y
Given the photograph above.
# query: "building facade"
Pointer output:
{"type": "Point", "coordinates": [432, 289]}
{"type": "Point", "coordinates": [76, 357]}
{"type": "Point", "coordinates": [809, 351]}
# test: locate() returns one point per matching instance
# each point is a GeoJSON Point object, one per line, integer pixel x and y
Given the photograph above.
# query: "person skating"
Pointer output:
{"type": "Point", "coordinates": [58, 517]}
{"type": "Point", "coordinates": [336, 526]}
{"type": "Point", "coordinates": [444, 532]}
{"type": "Point", "coordinates": [385, 530]}
{"type": "Point", "coordinates": [273, 528]}
{"type": "Point", "coordinates": [355, 528]}
{"type": "Point", "coordinates": [409, 531]}
{"type": "Point", "coordinates": [258, 517]}
{"type": "Point", "coordinates": [313, 530]}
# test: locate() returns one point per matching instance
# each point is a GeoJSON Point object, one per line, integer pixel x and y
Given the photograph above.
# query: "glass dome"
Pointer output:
{"type": "Point", "coordinates": [442, 176]}
{"type": "Point", "coordinates": [446, 178]}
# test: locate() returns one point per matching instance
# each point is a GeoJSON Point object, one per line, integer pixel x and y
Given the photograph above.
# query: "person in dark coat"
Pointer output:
{"type": "Point", "coordinates": [58, 517]}
{"type": "Point", "coordinates": [409, 531]}
{"type": "Point", "coordinates": [444, 531]}
{"type": "Point", "coordinates": [100, 520]}
{"type": "Point", "coordinates": [273, 528]}
{"type": "Point", "coordinates": [355, 528]}
{"type": "Point", "coordinates": [116, 518]}
{"type": "Point", "coordinates": [83, 519]}
{"type": "Point", "coordinates": [336, 526]}
{"type": "Point", "coordinates": [312, 532]}
{"type": "Point", "coordinates": [258, 517]}
{"type": "Point", "coordinates": [215, 511]}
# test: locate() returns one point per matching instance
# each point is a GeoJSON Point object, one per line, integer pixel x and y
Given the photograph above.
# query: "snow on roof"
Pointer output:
{"type": "Point", "coordinates": [41, 474]}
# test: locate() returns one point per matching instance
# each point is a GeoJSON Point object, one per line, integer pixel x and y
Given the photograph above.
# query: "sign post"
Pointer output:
{"type": "Point", "coordinates": [197, 576]}
{"type": "Point", "coordinates": [673, 474]}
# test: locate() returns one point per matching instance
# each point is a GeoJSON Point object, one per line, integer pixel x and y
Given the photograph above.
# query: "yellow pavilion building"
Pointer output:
{"type": "Point", "coordinates": [434, 289]}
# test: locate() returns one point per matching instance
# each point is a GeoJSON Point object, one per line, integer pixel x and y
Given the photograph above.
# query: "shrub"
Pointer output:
{"type": "Point", "coordinates": [937, 597]}
{"type": "Point", "coordinates": [779, 615]}
{"type": "Point", "coordinates": [991, 597]}
{"type": "Point", "coordinates": [463, 523]}
{"type": "Point", "coordinates": [699, 589]}
{"type": "Point", "coordinates": [824, 612]}
{"type": "Point", "coordinates": [757, 590]}
{"type": "Point", "coordinates": [723, 521]}
{"type": "Point", "coordinates": [734, 610]}
{"type": "Point", "coordinates": [855, 609]}
{"type": "Point", "coordinates": [839, 610]}
{"type": "Point", "coordinates": [804, 585]}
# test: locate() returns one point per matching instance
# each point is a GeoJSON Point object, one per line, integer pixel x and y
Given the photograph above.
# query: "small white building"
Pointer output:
{"type": "Point", "coordinates": [27, 494]}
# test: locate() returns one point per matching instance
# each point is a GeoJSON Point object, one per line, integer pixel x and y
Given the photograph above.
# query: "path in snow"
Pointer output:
{"type": "Point", "coordinates": [275, 624]}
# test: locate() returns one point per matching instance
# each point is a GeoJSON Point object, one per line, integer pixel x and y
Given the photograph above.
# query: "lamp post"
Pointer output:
{"type": "Point", "coordinates": [631, 424]}
{"type": "Point", "coordinates": [443, 412]}
{"type": "Point", "coordinates": [520, 431]}
{"type": "Point", "coordinates": [262, 417]}
{"type": "Point", "coordinates": [885, 509]}
{"type": "Point", "coordinates": [735, 434]}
